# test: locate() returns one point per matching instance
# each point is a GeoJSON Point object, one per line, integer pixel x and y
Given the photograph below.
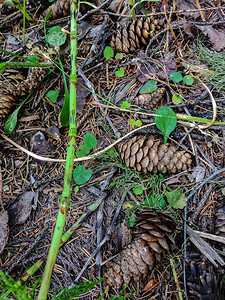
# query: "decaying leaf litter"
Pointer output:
{"type": "Point", "coordinates": [181, 36]}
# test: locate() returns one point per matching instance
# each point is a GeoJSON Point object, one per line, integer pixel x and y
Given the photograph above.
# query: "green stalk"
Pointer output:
{"type": "Point", "coordinates": [24, 20]}
{"type": "Point", "coordinates": [65, 238]}
{"type": "Point", "coordinates": [65, 198]}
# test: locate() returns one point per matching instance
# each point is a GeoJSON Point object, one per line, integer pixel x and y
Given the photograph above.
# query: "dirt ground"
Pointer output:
{"type": "Point", "coordinates": [187, 37]}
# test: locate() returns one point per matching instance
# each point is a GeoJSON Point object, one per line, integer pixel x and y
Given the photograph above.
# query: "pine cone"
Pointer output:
{"type": "Point", "coordinates": [150, 101]}
{"type": "Point", "coordinates": [6, 104]}
{"type": "Point", "coordinates": [35, 76]}
{"type": "Point", "coordinates": [134, 35]}
{"type": "Point", "coordinates": [152, 236]}
{"type": "Point", "coordinates": [220, 222]}
{"type": "Point", "coordinates": [144, 153]}
{"type": "Point", "coordinates": [13, 86]}
{"type": "Point", "coordinates": [61, 9]}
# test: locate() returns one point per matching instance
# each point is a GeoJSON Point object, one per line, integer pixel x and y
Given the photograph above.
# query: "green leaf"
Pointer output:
{"type": "Point", "coordinates": [138, 123]}
{"type": "Point", "coordinates": [56, 37]}
{"type": "Point", "coordinates": [64, 115]}
{"type": "Point", "coordinates": [90, 140]}
{"type": "Point", "coordinates": [81, 175]}
{"type": "Point", "coordinates": [125, 105]}
{"type": "Point", "coordinates": [148, 87]}
{"type": "Point", "coordinates": [33, 58]}
{"type": "Point", "coordinates": [108, 52]}
{"type": "Point", "coordinates": [76, 189]}
{"type": "Point", "coordinates": [119, 56]}
{"type": "Point", "coordinates": [165, 121]}
{"type": "Point", "coordinates": [46, 20]}
{"type": "Point", "coordinates": [155, 202]}
{"type": "Point", "coordinates": [176, 77]}
{"type": "Point", "coordinates": [84, 151]}
{"type": "Point", "coordinates": [177, 99]}
{"type": "Point", "coordinates": [120, 73]}
{"type": "Point", "coordinates": [177, 199]}
{"type": "Point", "coordinates": [132, 122]}
{"type": "Point", "coordinates": [138, 190]}
{"type": "Point", "coordinates": [132, 221]}
{"type": "Point", "coordinates": [188, 80]}
{"type": "Point", "coordinates": [11, 122]}
{"type": "Point", "coordinates": [52, 95]}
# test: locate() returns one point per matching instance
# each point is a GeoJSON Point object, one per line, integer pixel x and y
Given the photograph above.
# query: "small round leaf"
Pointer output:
{"type": "Point", "coordinates": [188, 80]}
{"type": "Point", "coordinates": [108, 52]}
{"type": "Point", "coordinates": [90, 140]}
{"type": "Point", "coordinates": [176, 77]}
{"type": "Point", "coordinates": [177, 99]}
{"type": "Point", "coordinates": [138, 190]}
{"type": "Point", "coordinates": [119, 56]}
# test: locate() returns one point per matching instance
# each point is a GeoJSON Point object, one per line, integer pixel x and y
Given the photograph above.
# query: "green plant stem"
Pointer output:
{"type": "Point", "coordinates": [65, 238]}
{"type": "Point", "coordinates": [65, 198]}
{"type": "Point", "coordinates": [24, 20]}
{"type": "Point", "coordinates": [20, 7]}
{"type": "Point", "coordinates": [176, 279]}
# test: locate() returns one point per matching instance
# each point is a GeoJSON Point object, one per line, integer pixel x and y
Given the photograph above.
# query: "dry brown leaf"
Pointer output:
{"type": "Point", "coordinates": [20, 211]}
{"type": "Point", "coordinates": [4, 230]}
{"type": "Point", "coordinates": [217, 38]}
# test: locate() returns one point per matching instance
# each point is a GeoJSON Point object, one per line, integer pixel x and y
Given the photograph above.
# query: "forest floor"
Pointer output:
{"type": "Point", "coordinates": [187, 40]}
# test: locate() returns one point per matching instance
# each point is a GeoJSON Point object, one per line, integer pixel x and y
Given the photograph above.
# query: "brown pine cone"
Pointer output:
{"type": "Point", "coordinates": [61, 9]}
{"type": "Point", "coordinates": [150, 101]}
{"type": "Point", "coordinates": [13, 85]}
{"type": "Point", "coordinates": [134, 35]}
{"type": "Point", "coordinates": [146, 154]}
{"type": "Point", "coordinates": [6, 104]}
{"type": "Point", "coordinates": [152, 237]}
{"type": "Point", "coordinates": [34, 76]}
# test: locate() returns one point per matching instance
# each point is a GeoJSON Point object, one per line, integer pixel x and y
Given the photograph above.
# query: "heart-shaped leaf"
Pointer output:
{"type": "Point", "coordinates": [84, 151]}
{"type": "Point", "coordinates": [81, 175]}
{"type": "Point", "coordinates": [148, 87]}
{"type": "Point", "coordinates": [165, 121]}
{"type": "Point", "coordinates": [56, 37]}
{"type": "Point", "coordinates": [90, 140]}
{"type": "Point", "coordinates": [120, 73]}
{"type": "Point", "coordinates": [177, 99]}
{"type": "Point", "coordinates": [108, 52]}
{"type": "Point", "coordinates": [176, 77]}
